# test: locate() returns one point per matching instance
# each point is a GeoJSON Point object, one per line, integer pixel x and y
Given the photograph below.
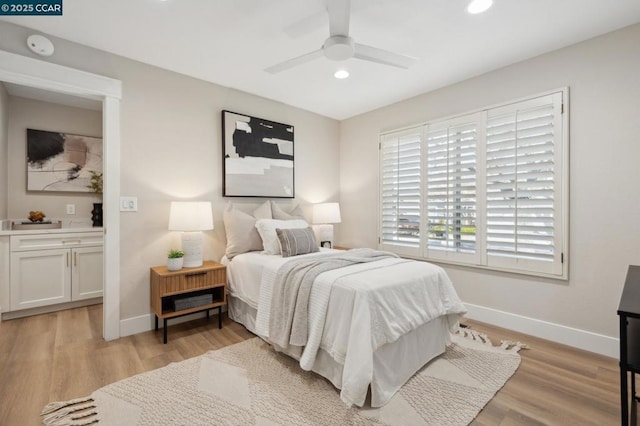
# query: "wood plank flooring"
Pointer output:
{"type": "Point", "coordinates": [62, 355]}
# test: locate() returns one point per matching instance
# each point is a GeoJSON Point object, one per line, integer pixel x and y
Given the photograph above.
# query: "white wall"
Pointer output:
{"type": "Point", "coordinates": [171, 149]}
{"type": "Point", "coordinates": [4, 114]}
{"type": "Point", "coordinates": [602, 75]}
{"type": "Point", "coordinates": [31, 114]}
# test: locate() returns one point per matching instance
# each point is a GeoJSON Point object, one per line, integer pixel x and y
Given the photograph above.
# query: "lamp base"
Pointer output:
{"type": "Point", "coordinates": [324, 235]}
{"type": "Point", "coordinates": [192, 248]}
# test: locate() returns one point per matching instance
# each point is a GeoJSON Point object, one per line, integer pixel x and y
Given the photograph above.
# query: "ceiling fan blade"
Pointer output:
{"type": "Point", "coordinates": [339, 14]}
{"type": "Point", "coordinates": [283, 66]}
{"type": "Point", "coordinates": [381, 56]}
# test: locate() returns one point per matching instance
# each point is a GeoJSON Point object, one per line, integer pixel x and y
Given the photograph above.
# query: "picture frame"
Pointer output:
{"type": "Point", "coordinates": [61, 162]}
{"type": "Point", "coordinates": [258, 157]}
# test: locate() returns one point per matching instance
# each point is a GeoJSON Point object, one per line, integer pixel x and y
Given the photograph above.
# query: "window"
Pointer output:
{"type": "Point", "coordinates": [400, 190]}
{"type": "Point", "coordinates": [451, 189]}
{"type": "Point", "coordinates": [485, 189]}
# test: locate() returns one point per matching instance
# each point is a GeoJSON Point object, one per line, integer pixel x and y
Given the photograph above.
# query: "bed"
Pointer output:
{"type": "Point", "coordinates": [356, 344]}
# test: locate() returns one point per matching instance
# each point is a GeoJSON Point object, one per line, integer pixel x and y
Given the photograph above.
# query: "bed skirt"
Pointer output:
{"type": "Point", "coordinates": [393, 364]}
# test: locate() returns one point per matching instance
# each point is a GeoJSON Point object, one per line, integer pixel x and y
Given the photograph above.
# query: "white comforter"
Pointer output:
{"type": "Point", "coordinates": [355, 310]}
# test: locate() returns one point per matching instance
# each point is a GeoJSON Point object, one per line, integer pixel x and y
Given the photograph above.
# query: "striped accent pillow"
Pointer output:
{"type": "Point", "coordinates": [296, 241]}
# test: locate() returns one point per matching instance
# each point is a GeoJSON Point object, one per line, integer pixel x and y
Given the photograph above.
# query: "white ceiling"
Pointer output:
{"type": "Point", "coordinates": [230, 42]}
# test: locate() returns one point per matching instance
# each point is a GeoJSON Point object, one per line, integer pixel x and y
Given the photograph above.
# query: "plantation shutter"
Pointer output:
{"type": "Point", "coordinates": [523, 185]}
{"type": "Point", "coordinates": [451, 189]}
{"type": "Point", "coordinates": [485, 189]}
{"type": "Point", "coordinates": [400, 191]}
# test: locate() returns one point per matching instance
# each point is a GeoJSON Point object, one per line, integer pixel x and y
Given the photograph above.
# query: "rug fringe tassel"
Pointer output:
{"type": "Point", "coordinates": [77, 420]}
{"type": "Point", "coordinates": [467, 333]}
{"type": "Point", "coordinates": [72, 413]}
{"type": "Point", "coordinates": [507, 345]}
{"type": "Point", "coordinates": [67, 413]}
{"type": "Point", "coordinates": [54, 406]}
{"type": "Point", "coordinates": [510, 345]}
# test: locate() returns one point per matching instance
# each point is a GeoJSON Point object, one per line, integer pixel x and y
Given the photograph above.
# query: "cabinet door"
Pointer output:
{"type": "Point", "coordinates": [87, 274]}
{"type": "Point", "coordinates": [40, 278]}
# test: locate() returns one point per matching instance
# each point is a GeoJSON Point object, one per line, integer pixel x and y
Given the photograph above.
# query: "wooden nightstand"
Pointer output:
{"type": "Point", "coordinates": [189, 290]}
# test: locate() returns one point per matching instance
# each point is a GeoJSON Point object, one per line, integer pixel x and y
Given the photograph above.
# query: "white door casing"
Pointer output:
{"type": "Point", "coordinates": [36, 73]}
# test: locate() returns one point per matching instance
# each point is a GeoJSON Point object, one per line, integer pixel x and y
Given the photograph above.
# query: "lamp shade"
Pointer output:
{"type": "Point", "coordinates": [326, 213]}
{"type": "Point", "coordinates": [190, 216]}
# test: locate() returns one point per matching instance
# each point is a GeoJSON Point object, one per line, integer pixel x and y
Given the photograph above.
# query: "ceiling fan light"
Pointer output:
{"type": "Point", "coordinates": [479, 6]}
{"type": "Point", "coordinates": [338, 48]}
{"type": "Point", "coordinates": [341, 74]}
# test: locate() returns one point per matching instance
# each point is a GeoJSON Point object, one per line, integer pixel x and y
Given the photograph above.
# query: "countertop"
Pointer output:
{"type": "Point", "coordinates": [9, 232]}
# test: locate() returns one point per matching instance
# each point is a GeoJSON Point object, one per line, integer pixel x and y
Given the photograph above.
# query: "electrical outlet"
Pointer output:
{"type": "Point", "coordinates": [128, 204]}
{"type": "Point", "coordinates": [71, 209]}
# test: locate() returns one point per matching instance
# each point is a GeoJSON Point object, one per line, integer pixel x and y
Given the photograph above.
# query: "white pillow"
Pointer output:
{"type": "Point", "coordinates": [267, 230]}
{"type": "Point", "coordinates": [264, 211]}
{"type": "Point", "coordinates": [280, 214]}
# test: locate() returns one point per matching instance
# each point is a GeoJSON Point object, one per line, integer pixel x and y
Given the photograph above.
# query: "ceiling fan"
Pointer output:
{"type": "Point", "coordinates": [340, 46]}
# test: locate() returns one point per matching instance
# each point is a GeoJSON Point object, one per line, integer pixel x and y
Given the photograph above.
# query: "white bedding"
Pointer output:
{"type": "Point", "coordinates": [353, 311]}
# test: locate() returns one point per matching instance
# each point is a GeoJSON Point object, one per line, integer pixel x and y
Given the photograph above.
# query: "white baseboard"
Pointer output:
{"type": "Point", "coordinates": [581, 339]}
{"type": "Point", "coordinates": [136, 325]}
{"type": "Point", "coordinates": [144, 323]}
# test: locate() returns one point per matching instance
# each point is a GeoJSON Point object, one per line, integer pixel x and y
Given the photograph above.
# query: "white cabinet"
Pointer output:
{"type": "Point", "coordinates": [40, 278]}
{"type": "Point", "coordinates": [55, 268]}
{"type": "Point", "coordinates": [86, 274]}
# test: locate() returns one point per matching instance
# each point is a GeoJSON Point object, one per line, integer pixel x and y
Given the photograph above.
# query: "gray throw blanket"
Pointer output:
{"type": "Point", "coordinates": [292, 286]}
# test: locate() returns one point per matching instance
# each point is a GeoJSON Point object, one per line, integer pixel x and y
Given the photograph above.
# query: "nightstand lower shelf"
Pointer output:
{"type": "Point", "coordinates": [187, 312]}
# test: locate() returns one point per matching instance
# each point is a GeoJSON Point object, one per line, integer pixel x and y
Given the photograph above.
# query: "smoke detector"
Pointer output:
{"type": "Point", "coordinates": [40, 45]}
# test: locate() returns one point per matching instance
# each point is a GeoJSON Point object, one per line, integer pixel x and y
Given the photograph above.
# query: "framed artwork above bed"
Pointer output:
{"type": "Point", "coordinates": [258, 157]}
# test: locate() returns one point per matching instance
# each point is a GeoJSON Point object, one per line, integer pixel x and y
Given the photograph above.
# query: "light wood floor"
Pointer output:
{"type": "Point", "coordinates": [62, 355]}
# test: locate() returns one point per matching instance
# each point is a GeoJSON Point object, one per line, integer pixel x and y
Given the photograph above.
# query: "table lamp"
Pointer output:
{"type": "Point", "coordinates": [191, 217]}
{"type": "Point", "coordinates": [324, 216]}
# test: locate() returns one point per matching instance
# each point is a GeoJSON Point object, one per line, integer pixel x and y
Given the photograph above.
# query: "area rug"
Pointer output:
{"type": "Point", "coordinates": [251, 384]}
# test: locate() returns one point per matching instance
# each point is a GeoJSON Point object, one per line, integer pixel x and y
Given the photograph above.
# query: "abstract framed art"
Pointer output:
{"type": "Point", "coordinates": [258, 157]}
{"type": "Point", "coordinates": [61, 161]}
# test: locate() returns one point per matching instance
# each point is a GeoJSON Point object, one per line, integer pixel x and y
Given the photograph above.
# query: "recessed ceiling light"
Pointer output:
{"type": "Point", "coordinates": [479, 6]}
{"type": "Point", "coordinates": [341, 74]}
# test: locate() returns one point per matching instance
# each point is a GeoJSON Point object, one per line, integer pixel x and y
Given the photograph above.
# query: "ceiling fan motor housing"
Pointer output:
{"type": "Point", "coordinates": [338, 47]}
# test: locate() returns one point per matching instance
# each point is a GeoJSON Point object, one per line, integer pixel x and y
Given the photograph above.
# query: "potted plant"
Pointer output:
{"type": "Point", "coordinates": [175, 260]}
{"type": "Point", "coordinates": [96, 182]}
{"type": "Point", "coordinates": [96, 186]}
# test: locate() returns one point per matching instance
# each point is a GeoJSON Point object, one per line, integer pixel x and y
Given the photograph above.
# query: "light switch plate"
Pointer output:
{"type": "Point", "coordinates": [128, 204]}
